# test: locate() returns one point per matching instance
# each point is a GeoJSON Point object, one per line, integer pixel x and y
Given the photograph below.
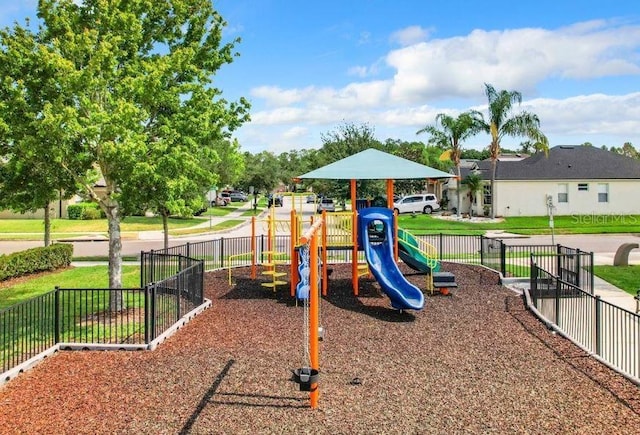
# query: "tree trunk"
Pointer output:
{"type": "Point", "coordinates": [116, 302]}
{"type": "Point", "coordinates": [494, 163]}
{"type": "Point", "coordinates": [458, 187]}
{"type": "Point", "coordinates": [165, 227]}
{"type": "Point", "coordinates": [47, 225]}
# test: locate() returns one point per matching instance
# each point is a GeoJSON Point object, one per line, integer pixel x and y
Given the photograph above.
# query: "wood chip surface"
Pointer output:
{"type": "Point", "coordinates": [473, 362]}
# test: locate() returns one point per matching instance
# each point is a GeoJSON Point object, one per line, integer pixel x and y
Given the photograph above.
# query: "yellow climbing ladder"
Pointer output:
{"type": "Point", "coordinates": [271, 269]}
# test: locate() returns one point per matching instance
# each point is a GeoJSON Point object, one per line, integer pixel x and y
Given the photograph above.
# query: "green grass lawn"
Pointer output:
{"type": "Point", "coordinates": [529, 225]}
{"type": "Point", "coordinates": [130, 223]}
{"type": "Point", "coordinates": [77, 277]}
{"type": "Point", "coordinates": [626, 278]}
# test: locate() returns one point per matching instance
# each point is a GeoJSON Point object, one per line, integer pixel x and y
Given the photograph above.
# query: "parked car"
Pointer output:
{"type": "Point", "coordinates": [326, 204]}
{"type": "Point", "coordinates": [275, 200]}
{"type": "Point", "coordinates": [311, 199]}
{"type": "Point", "coordinates": [423, 203]}
{"type": "Point", "coordinates": [226, 197]}
{"type": "Point", "coordinates": [238, 196]}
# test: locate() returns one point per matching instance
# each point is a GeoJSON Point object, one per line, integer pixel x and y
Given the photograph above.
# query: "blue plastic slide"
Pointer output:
{"type": "Point", "coordinates": [375, 234]}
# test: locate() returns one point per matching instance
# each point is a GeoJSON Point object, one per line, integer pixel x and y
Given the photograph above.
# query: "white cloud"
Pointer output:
{"type": "Point", "coordinates": [448, 75]}
{"type": "Point", "coordinates": [616, 115]}
{"type": "Point", "coordinates": [409, 35]}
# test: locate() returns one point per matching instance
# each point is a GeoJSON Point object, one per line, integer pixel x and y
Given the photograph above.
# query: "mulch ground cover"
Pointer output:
{"type": "Point", "coordinates": [473, 362]}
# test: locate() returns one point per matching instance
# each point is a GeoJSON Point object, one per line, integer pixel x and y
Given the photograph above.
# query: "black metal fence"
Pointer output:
{"type": "Point", "coordinates": [514, 260]}
{"type": "Point", "coordinates": [172, 285]}
{"type": "Point", "coordinates": [610, 332]}
{"type": "Point", "coordinates": [99, 316]}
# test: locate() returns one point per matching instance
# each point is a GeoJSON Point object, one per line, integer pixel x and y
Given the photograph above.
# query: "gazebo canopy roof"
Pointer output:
{"type": "Point", "coordinates": [372, 164]}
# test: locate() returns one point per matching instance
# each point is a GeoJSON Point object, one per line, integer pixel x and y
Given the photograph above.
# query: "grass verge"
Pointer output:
{"type": "Point", "coordinates": [18, 290]}
{"type": "Point", "coordinates": [626, 278]}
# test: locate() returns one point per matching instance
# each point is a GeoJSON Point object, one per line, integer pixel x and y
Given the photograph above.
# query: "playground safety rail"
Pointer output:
{"type": "Point", "coordinates": [607, 332]}
{"type": "Point", "coordinates": [103, 318]}
{"type": "Point", "coordinates": [28, 329]}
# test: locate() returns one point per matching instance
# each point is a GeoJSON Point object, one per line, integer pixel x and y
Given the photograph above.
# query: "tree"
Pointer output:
{"type": "Point", "coordinates": [474, 184]}
{"type": "Point", "coordinates": [29, 178]}
{"type": "Point", "coordinates": [450, 132]}
{"type": "Point", "coordinates": [135, 82]}
{"type": "Point", "coordinates": [347, 140]}
{"type": "Point", "coordinates": [503, 122]}
{"type": "Point", "coordinates": [262, 172]}
{"type": "Point", "coordinates": [629, 150]}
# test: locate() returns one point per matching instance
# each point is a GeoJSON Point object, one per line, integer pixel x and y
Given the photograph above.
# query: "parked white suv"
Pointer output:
{"type": "Point", "coordinates": [423, 203]}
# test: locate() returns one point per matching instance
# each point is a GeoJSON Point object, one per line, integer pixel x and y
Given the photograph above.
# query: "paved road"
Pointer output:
{"type": "Point", "coordinates": [146, 241]}
{"type": "Point", "coordinates": [603, 246]}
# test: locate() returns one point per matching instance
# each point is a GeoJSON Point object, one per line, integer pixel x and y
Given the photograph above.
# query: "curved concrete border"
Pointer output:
{"type": "Point", "coordinates": [622, 254]}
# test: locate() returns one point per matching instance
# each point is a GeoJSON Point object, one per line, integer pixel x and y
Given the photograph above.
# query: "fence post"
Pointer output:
{"type": "Point", "coordinates": [147, 315]}
{"type": "Point", "coordinates": [591, 279]}
{"type": "Point", "coordinates": [152, 320]}
{"type": "Point", "coordinates": [557, 301]}
{"type": "Point", "coordinates": [598, 326]}
{"type": "Point", "coordinates": [578, 271]}
{"type": "Point", "coordinates": [188, 250]}
{"type": "Point", "coordinates": [440, 247]}
{"type": "Point", "coordinates": [152, 267]}
{"type": "Point", "coordinates": [533, 280]}
{"type": "Point", "coordinates": [221, 252]}
{"type": "Point", "coordinates": [201, 283]}
{"type": "Point", "coordinates": [503, 258]}
{"type": "Point", "coordinates": [178, 290]}
{"type": "Point", "coordinates": [56, 315]}
{"type": "Point", "coordinates": [482, 249]}
{"type": "Point", "coordinates": [143, 274]}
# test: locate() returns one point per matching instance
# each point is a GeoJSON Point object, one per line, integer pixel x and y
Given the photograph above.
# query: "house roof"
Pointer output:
{"type": "Point", "coordinates": [372, 164]}
{"type": "Point", "coordinates": [570, 162]}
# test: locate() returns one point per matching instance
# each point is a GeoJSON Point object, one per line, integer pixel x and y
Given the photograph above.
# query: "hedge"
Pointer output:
{"type": "Point", "coordinates": [35, 260]}
{"type": "Point", "coordinates": [84, 211]}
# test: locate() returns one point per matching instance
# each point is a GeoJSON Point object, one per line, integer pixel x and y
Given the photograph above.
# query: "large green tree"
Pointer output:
{"type": "Point", "coordinates": [262, 171]}
{"type": "Point", "coordinates": [503, 120]}
{"type": "Point", "coordinates": [344, 141]}
{"type": "Point", "coordinates": [450, 132]}
{"type": "Point", "coordinates": [29, 178]}
{"type": "Point", "coordinates": [135, 79]}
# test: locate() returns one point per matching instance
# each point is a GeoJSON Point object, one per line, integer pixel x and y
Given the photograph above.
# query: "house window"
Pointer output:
{"type": "Point", "coordinates": [563, 192]}
{"type": "Point", "coordinates": [603, 193]}
{"type": "Point", "coordinates": [584, 187]}
{"type": "Point", "coordinates": [486, 194]}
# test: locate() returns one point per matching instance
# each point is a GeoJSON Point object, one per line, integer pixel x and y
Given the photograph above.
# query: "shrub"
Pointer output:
{"type": "Point", "coordinates": [84, 211]}
{"type": "Point", "coordinates": [35, 260]}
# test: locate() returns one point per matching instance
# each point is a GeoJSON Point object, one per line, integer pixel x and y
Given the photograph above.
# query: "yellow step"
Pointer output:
{"type": "Point", "coordinates": [273, 284]}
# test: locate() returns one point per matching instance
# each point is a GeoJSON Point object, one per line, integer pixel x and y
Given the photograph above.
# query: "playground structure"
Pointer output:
{"type": "Point", "coordinates": [368, 239]}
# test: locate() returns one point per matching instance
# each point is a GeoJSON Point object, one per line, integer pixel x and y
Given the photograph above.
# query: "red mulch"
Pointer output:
{"type": "Point", "coordinates": [476, 362]}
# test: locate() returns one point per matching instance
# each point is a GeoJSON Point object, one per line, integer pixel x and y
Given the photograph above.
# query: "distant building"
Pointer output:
{"type": "Point", "coordinates": [578, 180]}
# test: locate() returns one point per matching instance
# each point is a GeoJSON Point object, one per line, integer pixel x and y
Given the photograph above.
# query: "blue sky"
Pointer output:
{"type": "Point", "coordinates": [309, 66]}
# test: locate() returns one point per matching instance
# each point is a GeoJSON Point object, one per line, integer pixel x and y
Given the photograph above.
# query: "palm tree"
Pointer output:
{"type": "Point", "coordinates": [502, 122]}
{"type": "Point", "coordinates": [474, 184]}
{"type": "Point", "coordinates": [450, 132]}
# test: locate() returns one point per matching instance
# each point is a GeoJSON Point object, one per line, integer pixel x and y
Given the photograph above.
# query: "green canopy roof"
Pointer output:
{"type": "Point", "coordinates": [372, 164]}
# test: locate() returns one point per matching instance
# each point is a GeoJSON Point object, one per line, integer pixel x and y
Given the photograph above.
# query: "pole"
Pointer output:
{"type": "Point", "coordinates": [314, 395]}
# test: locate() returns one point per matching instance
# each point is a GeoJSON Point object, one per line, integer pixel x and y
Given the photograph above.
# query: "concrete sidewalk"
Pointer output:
{"type": "Point", "coordinates": [210, 222]}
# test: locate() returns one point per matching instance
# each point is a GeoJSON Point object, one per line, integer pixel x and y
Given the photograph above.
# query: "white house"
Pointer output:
{"type": "Point", "coordinates": [574, 179]}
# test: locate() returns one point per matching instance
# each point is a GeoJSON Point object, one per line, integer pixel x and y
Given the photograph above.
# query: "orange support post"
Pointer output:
{"type": "Point", "coordinates": [354, 239]}
{"type": "Point", "coordinates": [325, 274]}
{"type": "Point", "coordinates": [314, 321]}
{"type": "Point", "coordinates": [395, 220]}
{"type": "Point", "coordinates": [293, 273]}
